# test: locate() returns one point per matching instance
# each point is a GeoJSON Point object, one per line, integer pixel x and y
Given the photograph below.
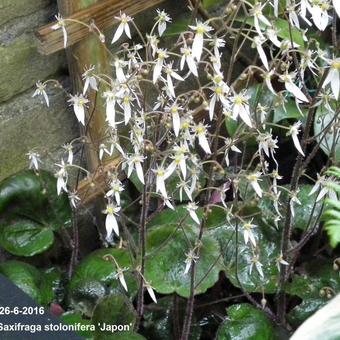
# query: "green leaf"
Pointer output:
{"type": "Point", "coordinates": [245, 322]}
{"type": "Point", "coordinates": [319, 281]}
{"type": "Point", "coordinates": [34, 197]}
{"type": "Point", "coordinates": [31, 211]}
{"type": "Point", "coordinates": [322, 119]}
{"type": "Point", "coordinates": [238, 267]}
{"type": "Point", "coordinates": [211, 4]}
{"type": "Point", "coordinates": [113, 310]}
{"type": "Point", "coordinates": [30, 280]}
{"type": "Point", "coordinates": [75, 318]}
{"type": "Point", "coordinates": [178, 27]}
{"type": "Point", "coordinates": [167, 246]}
{"type": "Point", "coordinates": [288, 111]}
{"type": "Point", "coordinates": [25, 238]}
{"type": "Point", "coordinates": [95, 277]}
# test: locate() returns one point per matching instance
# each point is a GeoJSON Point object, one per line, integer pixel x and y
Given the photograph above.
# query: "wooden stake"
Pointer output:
{"type": "Point", "coordinates": [101, 12]}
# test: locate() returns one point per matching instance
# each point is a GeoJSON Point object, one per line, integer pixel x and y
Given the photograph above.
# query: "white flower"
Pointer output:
{"type": "Point", "coordinates": [248, 234]}
{"type": "Point", "coordinates": [162, 19]}
{"type": "Point", "coordinates": [220, 90]}
{"type": "Point", "coordinates": [176, 120]}
{"type": "Point", "coordinates": [201, 133]}
{"type": "Point", "coordinates": [41, 91]}
{"type": "Point", "coordinates": [256, 11]}
{"type": "Point", "coordinates": [116, 188]}
{"type": "Point", "coordinates": [201, 30]}
{"type": "Point", "coordinates": [34, 159]}
{"type": "Point", "coordinates": [62, 177]}
{"type": "Point", "coordinates": [191, 257]}
{"type": "Point", "coordinates": [90, 79]}
{"type": "Point", "coordinates": [258, 265]}
{"type": "Point", "coordinates": [69, 148]}
{"type": "Point", "coordinates": [79, 103]}
{"type": "Point", "coordinates": [188, 58]}
{"type": "Point", "coordinates": [241, 108]}
{"type": "Point", "coordinates": [162, 55]}
{"type": "Point", "coordinates": [294, 132]}
{"type": "Point", "coordinates": [333, 77]}
{"type": "Point", "coordinates": [191, 207]}
{"type": "Point", "coordinates": [60, 25]}
{"type": "Point", "coordinates": [111, 223]}
{"type": "Point", "coordinates": [272, 36]}
{"type": "Point", "coordinates": [170, 73]}
{"type": "Point", "coordinates": [229, 143]}
{"type": "Point", "coordinates": [127, 107]}
{"type": "Point", "coordinates": [161, 176]}
{"type": "Point", "coordinates": [110, 107]}
{"type": "Point", "coordinates": [119, 64]}
{"type": "Point", "coordinates": [280, 261]}
{"type": "Point", "coordinates": [292, 88]}
{"type": "Point", "coordinates": [135, 162]}
{"type": "Point", "coordinates": [322, 183]}
{"type": "Point", "coordinates": [74, 199]}
{"type": "Point", "coordinates": [253, 179]}
{"type": "Point", "coordinates": [182, 185]}
{"type": "Point", "coordinates": [123, 27]}
{"type": "Point", "coordinates": [179, 160]}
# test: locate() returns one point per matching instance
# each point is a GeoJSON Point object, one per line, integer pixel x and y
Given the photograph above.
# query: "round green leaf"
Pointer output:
{"type": "Point", "coordinates": [114, 311]}
{"type": "Point", "coordinates": [95, 277]}
{"type": "Point", "coordinates": [246, 322]}
{"type": "Point", "coordinates": [167, 247]}
{"type": "Point", "coordinates": [25, 238]}
{"type": "Point", "coordinates": [29, 279]}
{"type": "Point", "coordinates": [75, 318]}
{"type": "Point", "coordinates": [34, 197]}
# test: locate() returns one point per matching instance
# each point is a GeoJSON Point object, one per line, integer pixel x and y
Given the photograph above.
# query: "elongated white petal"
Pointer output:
{"type": "Point", "coordinates": [151, 293]}
{"type": "Point", "coordinates": [297, 144]}
{"type": "Point", "coordinates": [245, 116]}
{"type": "Point", "coordinates": [176, 121]}
{"type": "Point", "coordinates": [118, 33]}
{"type": "Point", "coordinates": [139, 171]}
{"type": "Point", "coordinates": [212, 107]}
{"type": "Point", "coordinates": [322, 193]}
{"type": "Point", "coordinates": [122, 280]}
{"type": "Point", "coordinates": [127, 113]}
{"type": "Point", "coordinates": [194, 216]}
{"type": "Point", "coordinates": [262, 55]}
{"type": "Point", "coordinates": [197, 46]}
{"type": "Point", "coordinates": [187, 267]}
{"type": "Point", "coordinates": [160, 186]}
{"type": "Point", "coordinates": [111, 225]}
{"type": "Point", "coordinates": [127, 31]}
{"type": "Point", "coordinates": [170, 85]}
{"type": "Point", "coordinates": [80, 113]}
{"type": "Point", "coordinates": [256, 187]}
{"type": "Point", "coordinates": [46, 99]}
{"type": "Point", "coordinates": [203, 142]}
{"type": "Point", "coordinates": [111, 112]}
{"type": "Point", "coordinates": [157, 71]}
{"type": "Point", "coordinates": [183, 166]}
{"type": "Point", "coordinates": [292, 88]}
{"type": "Point", "coordinates": [314, 189]}
{"type": "Point", "coordinates": [192, 66]}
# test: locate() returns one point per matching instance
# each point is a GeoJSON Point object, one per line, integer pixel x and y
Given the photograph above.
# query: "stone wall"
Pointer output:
{"type": "Point", "coordinates": [26, 122]}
